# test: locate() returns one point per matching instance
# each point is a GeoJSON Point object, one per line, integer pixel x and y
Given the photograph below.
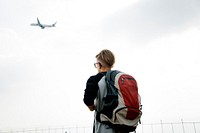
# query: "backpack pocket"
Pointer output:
{"type": "Point", "coordinates": [123, 114]}
{"type": "Point", "coordinates": [110, 103]}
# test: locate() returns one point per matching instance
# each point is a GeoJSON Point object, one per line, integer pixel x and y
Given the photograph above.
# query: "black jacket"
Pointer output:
{"type": "Point", "coordinates": [92, 88]}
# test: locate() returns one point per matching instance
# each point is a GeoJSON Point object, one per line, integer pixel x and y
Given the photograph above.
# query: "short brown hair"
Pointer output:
{"type": "Point", "coordinates": [106, 57]}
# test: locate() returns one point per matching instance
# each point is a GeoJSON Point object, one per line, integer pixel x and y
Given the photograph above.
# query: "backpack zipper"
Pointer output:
{"type": "Point", "coordinates": [122, 79]}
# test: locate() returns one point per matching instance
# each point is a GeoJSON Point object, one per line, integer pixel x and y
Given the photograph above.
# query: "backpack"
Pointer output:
{"type": "Point", "coordinates": [121, 105]}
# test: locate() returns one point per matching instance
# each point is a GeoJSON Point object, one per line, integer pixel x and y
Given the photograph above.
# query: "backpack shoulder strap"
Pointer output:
{"type": "Point", "coordinates": [110, 76]}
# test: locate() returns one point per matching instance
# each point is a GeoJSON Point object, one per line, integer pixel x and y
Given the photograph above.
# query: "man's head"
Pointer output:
{"type": "Point", "coordinates": [105, 60]}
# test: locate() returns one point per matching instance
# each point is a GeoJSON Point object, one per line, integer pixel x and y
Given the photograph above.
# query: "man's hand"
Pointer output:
{"type": "Point", "coordinates": [92, 107]}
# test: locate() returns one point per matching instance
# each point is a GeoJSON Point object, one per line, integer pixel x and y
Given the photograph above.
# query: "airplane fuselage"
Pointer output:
{"type": "Point", "coordinates": [42, 25]}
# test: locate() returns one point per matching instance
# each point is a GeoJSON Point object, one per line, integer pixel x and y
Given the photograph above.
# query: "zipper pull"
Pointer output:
{"type": "Point", "coordinates": [122, 80]}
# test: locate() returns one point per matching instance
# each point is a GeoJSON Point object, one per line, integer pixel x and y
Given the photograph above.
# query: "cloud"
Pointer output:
{"type": "Point", "coordinates": [147, 20]}
{"type": "Point", "coordinates": [169, 75]}
{"type": "Point", "coordinates": [39, 78]}
{"type": "Point", "coordinates": [15, 60]}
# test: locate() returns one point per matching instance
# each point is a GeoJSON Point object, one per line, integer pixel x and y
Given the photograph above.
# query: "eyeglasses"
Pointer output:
{"type": "Point", "coordinates": [95, 64]}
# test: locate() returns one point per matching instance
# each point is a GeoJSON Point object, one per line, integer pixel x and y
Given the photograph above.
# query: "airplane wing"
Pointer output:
{"type": "Point", "coordinates": [39, 24]}
{"type": "Point", "coordinates": [38, 21]}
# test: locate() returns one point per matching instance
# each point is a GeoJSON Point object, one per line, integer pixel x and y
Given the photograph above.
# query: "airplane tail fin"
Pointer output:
{"type": "Point", "coordinates": [54, 24]}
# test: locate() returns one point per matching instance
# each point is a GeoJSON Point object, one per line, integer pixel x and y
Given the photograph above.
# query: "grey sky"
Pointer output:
{"type": "Point", "coordinates": [43, 72]}
{"type": "Point", "coordinates": [153, 19]}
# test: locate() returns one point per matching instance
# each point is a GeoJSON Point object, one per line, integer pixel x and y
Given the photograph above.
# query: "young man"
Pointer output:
{"type": "Point", "coordinates": [96, 86]}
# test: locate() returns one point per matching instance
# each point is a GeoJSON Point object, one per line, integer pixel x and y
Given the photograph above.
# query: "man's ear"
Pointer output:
{"type": "Point", "coordinates": [100, 65]}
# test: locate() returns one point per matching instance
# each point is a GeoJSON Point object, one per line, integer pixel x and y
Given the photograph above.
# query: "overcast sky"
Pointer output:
{"type": "Point", "coordinates": [43, 71]}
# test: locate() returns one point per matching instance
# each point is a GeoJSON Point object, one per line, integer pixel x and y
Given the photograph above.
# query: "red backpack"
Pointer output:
{"type": "Point", "coordinates": [122, 103]}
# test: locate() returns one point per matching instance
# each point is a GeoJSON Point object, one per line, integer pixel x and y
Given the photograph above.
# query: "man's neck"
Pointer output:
{"type": "Point", "coordinates": [104, 69]}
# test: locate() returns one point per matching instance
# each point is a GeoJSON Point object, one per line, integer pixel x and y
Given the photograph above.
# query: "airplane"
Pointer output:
{"type": "Point", "coordinates": [43, 25]}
